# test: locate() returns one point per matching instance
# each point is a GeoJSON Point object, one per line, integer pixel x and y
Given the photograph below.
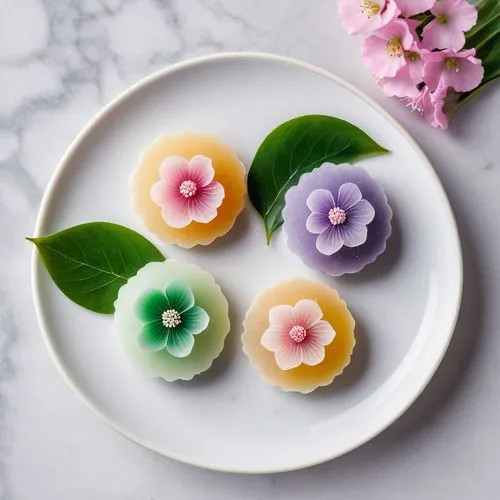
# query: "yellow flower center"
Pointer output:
{"type": "Point", "coordinates": [452, 64]}
{"type": "Point", "coordinates": [394, 48]}
{"type": "Point", "coordinates": [369, 8]}
{"type": "Point", "coordinates": [412, 56]}
{"type": "Point", "coordinates": [442, 19]}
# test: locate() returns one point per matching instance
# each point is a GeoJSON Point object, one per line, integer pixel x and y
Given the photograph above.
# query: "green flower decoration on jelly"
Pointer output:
{"type": "Point", "coordinates": [170, 320]}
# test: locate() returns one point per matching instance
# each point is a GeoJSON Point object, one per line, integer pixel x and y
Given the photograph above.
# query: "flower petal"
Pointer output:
{"type": "Point", "coordinates": [411, 7]}
{"type": "Point", "coordinates": [467, 78]}
{"type": "Point", "coordinates": [151, 305]}
{"type": "Point", "coordinates": [180, 342]}
{"type": "Point", "coordinates": [353, 234]}
{"type": "Point", "coordinates": [175, 168]}
{"type": "Point", "coordinates": [274, 338]}
{"type": "Point", "coordinates": [289, 356]}
{"type": "Point", "coordinates": [349, 195]}
{"type": "Point", "coordinates": [195, 320]}
{"type": "Point", "coordinates": [320, 201]}
{"type": "Point", "coordinates": [361, 213]}
{"type": "Point", "coordinates": [442, 36]}
{"type": "Point", "coordinates": [153, 337]}
{"type": "Point", "coordinates": [330, 241]}
{"type": "Point", "coordinates": [307, 313]}
{"type": "Point", "coordinates": [281, 317]}
{"type": "Point", "coordinates": [318, 222]}
{"type": "Point", "coordinates": [201, 170]}
{"type": "Point", "coordinates": [464, 15]}
{"type": "Point", "coordinates": [203, 206]}
{"type": "Point", "coordinates": [380, 63]}
{"type": "Point", "coordinates": [323, 332]}
{"type": "Point", "coordinates": [313, 352]}
{"type": "Point", "coordinates": [180, 296]}
{"type": "Point", "coordinates": [177, 216]}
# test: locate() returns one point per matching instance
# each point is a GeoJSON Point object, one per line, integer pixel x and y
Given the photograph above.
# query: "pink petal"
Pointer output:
{"type": "Point", "coordinates": [201, 170]}
{"type": "Point", "coordinates": [306, 313]}
{"type": "Point", "coordinates": [281, 317]}
{"type": "Point", "coordinates": [290, 356]}
{"type": "Point", "coordinates": [468, 76]}
{"type": "Point", "coordinates": [317, 222]}
{"type": "Point", "coordinates": [322, 332]}
{"type": "Point", "coordinates": [320, 200]}
{"type": "Point", "coordinates": [377, 60]}
{"type": "Point", "coordinates": [203, 206]}
{"type": "Point", "coordinates": [329, 242]}
{"type": "Point", "coordinates": [176, 214]}
{"type": "Point", "coordinates": [355, 22]}
{"type": "Point", "coordinates": [411, 7]}
{"type": "Point", "coordinates": [349, 194]}
{"type": "Point", "coordinates": [463, 15]}
{"type": "Point", "coordinates": [353, 234]}
{"type": "Point", "coordinates": [361, 213]}
{"type": "Point", "coordinates": [313, 352]}
{"type": "Point", "coordinates": [175, 168]}
{"type": "Point", "coordinates": [432, 74]}
{"type": "Point", "coordinates": [274, 339]}
{"type": "Point", "coordinates": [443, 36]}
{"type": "Point", "coordinates": [401, 85]}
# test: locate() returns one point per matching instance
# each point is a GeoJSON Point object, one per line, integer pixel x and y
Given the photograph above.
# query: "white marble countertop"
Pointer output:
{"type": "Point", "coordinates": [60, 61]}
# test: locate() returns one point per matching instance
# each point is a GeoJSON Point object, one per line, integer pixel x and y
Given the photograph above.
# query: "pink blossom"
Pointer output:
{"type": "Point", "coordinates": [297, 334]}
{"type": "Point", "coordinates": [411, 7]}
{"type": "Point", "coordinates": [453, 18]}
{"type": "Point", "coordinates": [459, 70]}
{"type": "Point", "coordinates": [186, 191]}
{"type": "Point", "coordinates": [404, 83]}
{"type": "Point", "coordinates": [431, 106]}
{"type": "Point", "coordinates": [365, 16]}
{"type": "Point", "coordinates": [384, 51]}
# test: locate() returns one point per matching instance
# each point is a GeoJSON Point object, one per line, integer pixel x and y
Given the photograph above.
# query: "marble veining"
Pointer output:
{"type": "Point", "coordinates": [60, 62]}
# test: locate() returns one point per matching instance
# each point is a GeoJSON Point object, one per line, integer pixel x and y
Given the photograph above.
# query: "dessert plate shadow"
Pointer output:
{"type": "Point", "coordinates": [228, 419]}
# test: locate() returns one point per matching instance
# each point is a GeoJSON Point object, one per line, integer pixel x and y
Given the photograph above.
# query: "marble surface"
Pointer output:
{"type": "Point", "coordinates": [60, 62]}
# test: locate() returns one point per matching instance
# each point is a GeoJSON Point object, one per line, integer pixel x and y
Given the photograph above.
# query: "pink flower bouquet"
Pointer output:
{"type": "Point", "coordinates": [431, 54]}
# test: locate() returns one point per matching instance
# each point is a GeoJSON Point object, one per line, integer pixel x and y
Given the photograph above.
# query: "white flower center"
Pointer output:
{"type": "Point", "coordinates": [297, 333]}
{"type": "Point", "coordinates": [337, 216]}
{"type": "Point", "coordinates": [393, 47]}
{"type": "Point", "coordinates": [188, 188]}
{"type": "Point", "coordinates": [369, 8]}
{"type": "Point", "coordinates": [171, 318]}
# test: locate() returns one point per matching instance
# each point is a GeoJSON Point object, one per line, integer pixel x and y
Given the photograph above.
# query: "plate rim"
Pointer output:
{"type": "Point", "coordinates": [42, 219]}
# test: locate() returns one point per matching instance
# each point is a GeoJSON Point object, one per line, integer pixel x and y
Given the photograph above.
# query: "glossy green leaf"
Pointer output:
{"type": "Point", "coordinates": [90, 262]}
{"type": "Point", "coordinates": [296, 147]}
{"type": "Point", "coordinates": [485, 38]}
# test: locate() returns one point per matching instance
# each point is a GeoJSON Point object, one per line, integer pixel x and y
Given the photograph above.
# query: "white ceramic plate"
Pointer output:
{"type": "Point", "coordinates": [405, 304]}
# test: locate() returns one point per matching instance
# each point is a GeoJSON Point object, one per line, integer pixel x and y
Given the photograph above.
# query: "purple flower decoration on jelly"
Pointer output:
{"type": "Point", "coordinates": [339, 220]}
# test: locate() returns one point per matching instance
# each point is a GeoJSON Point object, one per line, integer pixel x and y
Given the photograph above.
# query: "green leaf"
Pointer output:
{"type": "Point", "coordinates": [485, 38]}
{"type": "Point", "coordinates": [90, 262]}
{"type": "Point", "coordinates": [296, 147]}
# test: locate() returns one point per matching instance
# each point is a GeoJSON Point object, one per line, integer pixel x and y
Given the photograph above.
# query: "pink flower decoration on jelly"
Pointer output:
{"type": "Point", "coordinates": [459, 70]}
{"type": "Point", "coordinates": [384, 51]}
{"type": "Point", "coordinates": [452, 19]}
{"type": "Point", "coordinates": [297, 334]}
{"type": "Point", "coordinates": [365, 16]}
{"type": "Point", "coordinates": [187, 192]}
